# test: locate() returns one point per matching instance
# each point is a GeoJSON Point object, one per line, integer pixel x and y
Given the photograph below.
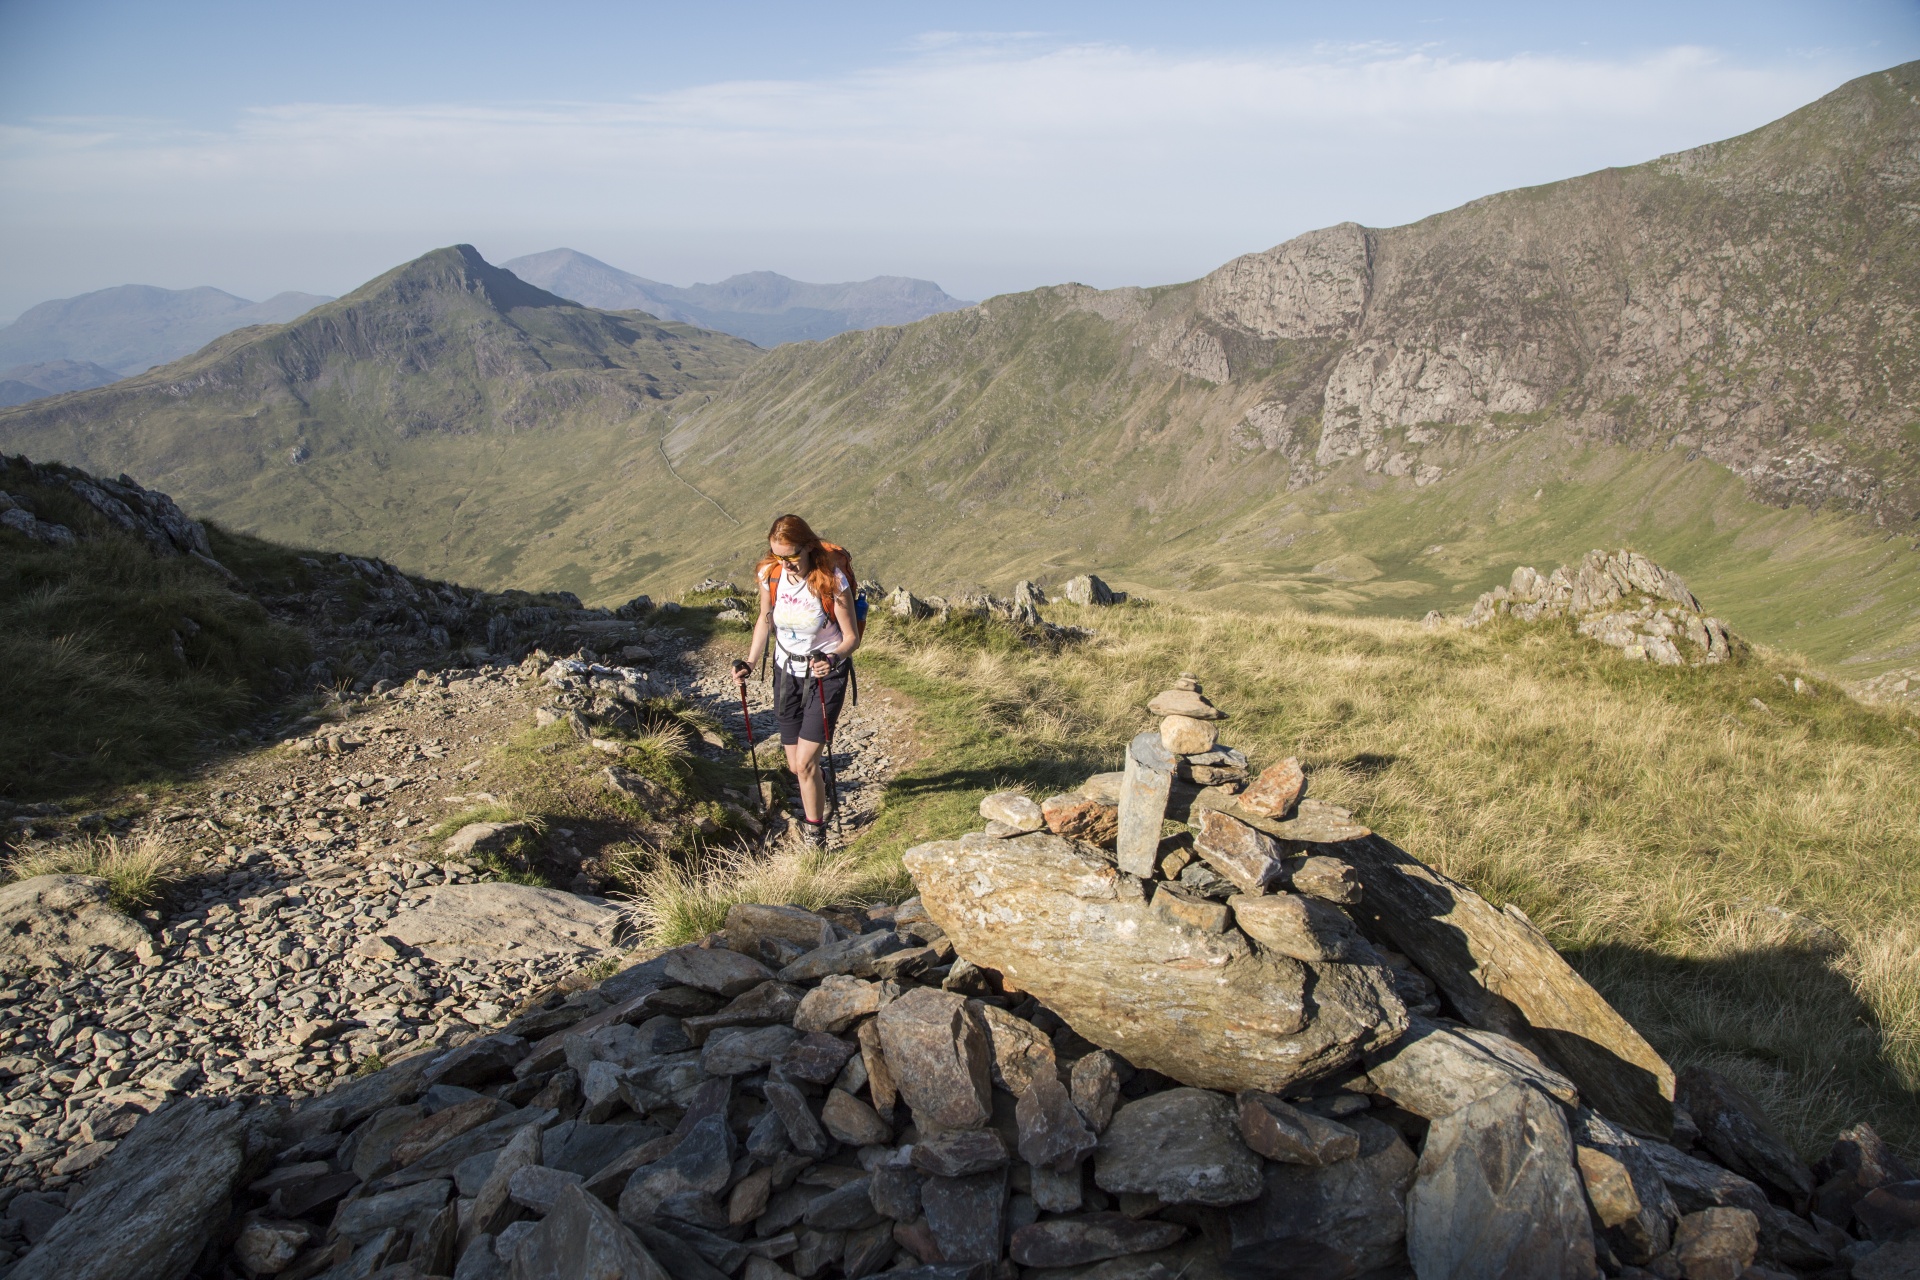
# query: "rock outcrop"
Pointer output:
{"type": "Point", "coordinates": [1621, 599]}
{"type": "Point", "coordinates": [60, 919]}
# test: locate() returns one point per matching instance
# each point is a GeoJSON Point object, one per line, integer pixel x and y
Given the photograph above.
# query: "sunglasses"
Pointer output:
{"type": "Point", "coordinates": [792, 559]}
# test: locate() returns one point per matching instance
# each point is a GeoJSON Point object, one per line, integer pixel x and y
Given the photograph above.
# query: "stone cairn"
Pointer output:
{"type": "Point", "coordinates": [1182, 1021]}
{"type": "Point", "coordinates": [1621, 599]}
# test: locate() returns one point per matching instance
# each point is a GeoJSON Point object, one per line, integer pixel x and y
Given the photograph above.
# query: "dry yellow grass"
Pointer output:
{"type": "Point", "coordinates": [1741, 879]}
{"type": "Point", "coordinates": [138, 873]}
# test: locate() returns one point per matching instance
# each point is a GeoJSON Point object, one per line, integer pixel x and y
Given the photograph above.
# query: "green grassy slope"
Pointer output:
{"type": "Point", "coordinates": [116, 664]}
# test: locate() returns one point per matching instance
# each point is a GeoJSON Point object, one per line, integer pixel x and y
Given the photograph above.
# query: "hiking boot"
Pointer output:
{"type": "Point", "coordinates": [814, 834]}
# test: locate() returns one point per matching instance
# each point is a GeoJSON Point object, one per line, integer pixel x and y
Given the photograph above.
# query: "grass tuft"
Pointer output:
{"type": "Point", "coordinates": [139, 874]}
{"type": "Point", "coordinates": [674, 899]}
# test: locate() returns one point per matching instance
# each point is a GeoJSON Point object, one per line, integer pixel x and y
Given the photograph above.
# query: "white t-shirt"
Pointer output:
{"type": "Point", "coordinates": [800, 625]}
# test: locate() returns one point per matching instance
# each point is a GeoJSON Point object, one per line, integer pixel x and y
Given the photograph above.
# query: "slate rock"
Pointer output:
{"type": "Point", "coordinates": [1439, 1067]}
{"type": "Point", "coordinates": [476, 1061]}
{"type": "Point", "coordinates": [1639, 1217]}
{"type": "Point", "coordinates": [1184, 702]}
{"type": "Point", "coordinates": [1735, 1129]}
{"type": "Point", "coordinates": [1352, 1214]}
{"type": "Point", "coordinates": [748, 923]}
{"type": "Point", "coordinates": [940, 1055]}
{"type": "Point", "coordinates": [702, 1164]}
{"type": "Point", "coordinates": [1497, 1195]}
{"type": "Point", "coordinates": [492, 1206]}
{"type": "Point", "coordinates": [1716, 1244]}
{"type": "Point", "coordinates": [845, 1208]}
{"type": "Point", "coordinates": [836, 1004]}
{"type": "Point", "coordinates": [1328, 879]}
{"type": "Point", "coordinates": [1021, 1051]}
{"type": "Point", "coordinates": [1501, 974]}
{"type": "Point", "coordinates": [815, 1058]}
{"type": "Point", "coordinates": [1890, 1212]}
{"type": "Point", "coordinates": [585, 1149]}
{"type": "Point", "coordinates": [402, 1209]}
{"type": "Point", "coordinates": [1277, 789]}
{"type": "Point", "coordinates": [736, 1052]}
{"type": "Point", "coordinates": [967, 1215]}
{"type": "Point", "coordinates": [1183, 1146]}
{"type": "Point", "coordinates": [715, 970]}
{"type": "Point", "coordinates": [150, 1208]}
{"type": "Point", "coordinates": [1096, 1088]}
{"type": "Point", "coordinates": [1858, 1161]}
{"type": "Point", "coordinates": [1092, 950]}
{"type": "Point", "coordinates": [1141, 799]}
{"type": "Point", "coordinates": [797, 1120]}
{"type": "Point", "coordinates": [1186, 736]}
{"type": "Point", "coordinates": [857, 956]}
{"type": "Point", "coordinates": [1058, 1192]}
{"type": "Point", "coordinates": [853, 1121]}
{"type": "Point", "coordinates": [1278, 1130]}
{"type": "Point", "coordinates": [1079, 818]}
{"type": "Point", "coordinates": [1053, 1133]}
{"type": "Point", "coordinates": [960, 1152]}
{"type": "Point", "coordinates": [1301, 927]}
{"type": "Point", "coordinates": [761, 1006]}
{"type": "Point", "coordinates": [895, 1191]}
{"type": "Point", "coordinates": [1250, 858]}
{"type": "Point", "coordinates": [1182, 906]}
{"type": "Point", "coordinates": [266, 1246]}
{"type": "Point", "coordinates": [495, 920]}
{"type": "Point", "coordinates": [538, 1188]}
{"type": "Point", "coordinates": [1090, 1237]}
{"type": "Point", "coordinates": [1013, 809]}
{"type": "Point", "coordinates": [48, 920]}
{"type": "Point", "coordinates": [582, 1239]}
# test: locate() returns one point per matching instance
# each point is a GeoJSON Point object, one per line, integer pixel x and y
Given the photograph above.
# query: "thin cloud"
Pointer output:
{"type": "Point", "coordinates": [984, 141]}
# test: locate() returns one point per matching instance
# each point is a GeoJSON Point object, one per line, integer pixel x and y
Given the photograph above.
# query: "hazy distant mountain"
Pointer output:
{"type": "Point", "coordinates": [760, 306]}
{"type": "Point", "coordinates": [132, 327]}
{"type": "Point", "coordinates": [26, 382]}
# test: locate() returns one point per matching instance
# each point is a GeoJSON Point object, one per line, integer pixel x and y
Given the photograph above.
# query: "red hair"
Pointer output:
{"type": "Point", "coordinates": [822, 578]}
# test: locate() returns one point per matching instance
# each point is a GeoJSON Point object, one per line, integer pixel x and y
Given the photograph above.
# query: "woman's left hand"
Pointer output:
{"type": "Point", "coordinates": [821, 668]}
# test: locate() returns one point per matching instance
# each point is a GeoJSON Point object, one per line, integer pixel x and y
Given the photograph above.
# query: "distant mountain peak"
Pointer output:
{"type": "Point", "coordinates": [129, 328]}
{"type": "Point", "coordinates": [762, 306]}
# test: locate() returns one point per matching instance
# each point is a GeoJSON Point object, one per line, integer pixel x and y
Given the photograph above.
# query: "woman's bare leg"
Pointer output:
{"type": "Point", "coordinates": [803, 760]}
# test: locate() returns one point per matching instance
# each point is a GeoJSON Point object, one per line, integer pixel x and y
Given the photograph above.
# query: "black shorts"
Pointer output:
{"type": "Point", "coordinates": [796, 704]}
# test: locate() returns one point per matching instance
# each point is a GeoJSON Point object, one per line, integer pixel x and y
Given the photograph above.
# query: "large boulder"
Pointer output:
{"type": "Point", "coordinates": [1207, 1009]}
{"type": "Point", "coordinates": [1503, 975]}
{"type": "Point", "coordinates": [462, 922]}
{"type": "Point", "coordinates": [1497, 1195]}
{"type": "Point", "coordinates": [46, 920]}
{"type": "Point", "coordinates": [150, 1209]}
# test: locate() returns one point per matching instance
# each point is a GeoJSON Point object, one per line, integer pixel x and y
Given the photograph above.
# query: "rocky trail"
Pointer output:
{"type": "Point", "coordinates": [322, 929]}
{"type": "Point", "coordinates": [1183, 1021]}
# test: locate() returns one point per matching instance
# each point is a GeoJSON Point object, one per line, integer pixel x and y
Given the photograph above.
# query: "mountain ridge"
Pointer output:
{"type": "Point", "coordinates": [131, 328]}
{"type": "Point", "coordinates": [762, 306]}
{"type": "Point", "coordinates": [1683, 356]}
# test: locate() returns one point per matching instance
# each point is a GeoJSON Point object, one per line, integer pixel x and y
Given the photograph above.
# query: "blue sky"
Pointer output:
{"type": "Point", "coordinates": [991, 147]}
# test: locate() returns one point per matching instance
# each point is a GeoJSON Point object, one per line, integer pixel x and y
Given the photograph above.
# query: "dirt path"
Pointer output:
{"type": "Point", "coordinates": [270, 977]}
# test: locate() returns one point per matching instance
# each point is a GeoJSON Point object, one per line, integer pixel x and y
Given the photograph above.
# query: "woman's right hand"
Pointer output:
{"type": "Point", "coordinates": [741, 670]}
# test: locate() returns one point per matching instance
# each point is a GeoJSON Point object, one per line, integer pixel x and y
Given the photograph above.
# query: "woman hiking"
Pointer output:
{"type": "Point", "coordinates": [806, 601]}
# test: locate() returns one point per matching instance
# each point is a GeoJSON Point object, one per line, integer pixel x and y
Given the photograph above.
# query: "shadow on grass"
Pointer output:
{"type": "Point", "coordinates": [1786, 1023]}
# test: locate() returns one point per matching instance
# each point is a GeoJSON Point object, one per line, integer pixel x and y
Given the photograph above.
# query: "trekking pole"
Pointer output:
{"type": "Point", "coordinates": [753, 757]}
{"type": "Point", "coordinates": [826, 748]}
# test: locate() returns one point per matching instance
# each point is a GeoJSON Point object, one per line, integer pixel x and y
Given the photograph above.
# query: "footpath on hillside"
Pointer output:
{"type": "Point", "coordinates": [332, 921]}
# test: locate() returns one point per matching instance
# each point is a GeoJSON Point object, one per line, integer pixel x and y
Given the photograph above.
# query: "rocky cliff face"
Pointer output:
{"type": "Point", "coordinates": [1750, 301]}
